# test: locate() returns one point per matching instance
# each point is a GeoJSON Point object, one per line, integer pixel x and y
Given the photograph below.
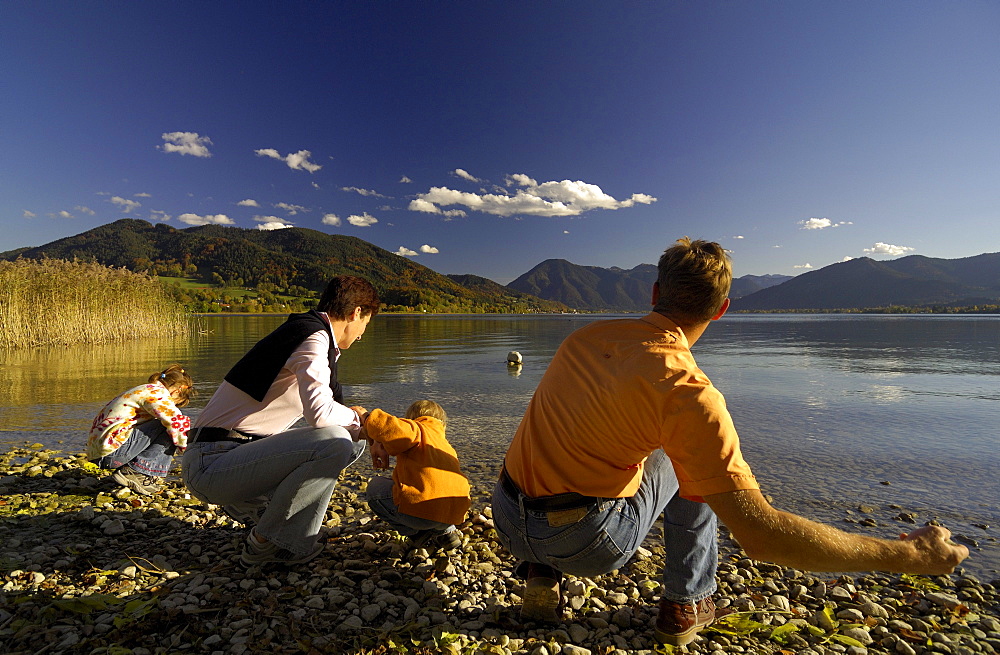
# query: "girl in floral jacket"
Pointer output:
{"type": "Point", "coordinates": [137, 433]}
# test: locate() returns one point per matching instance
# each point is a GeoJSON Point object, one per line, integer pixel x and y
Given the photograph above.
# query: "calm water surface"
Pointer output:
{"type": "Point", "coordinates": [830, 408]}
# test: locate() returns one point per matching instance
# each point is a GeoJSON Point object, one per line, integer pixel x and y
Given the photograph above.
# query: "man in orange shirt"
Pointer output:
{"type": "Point", "coordinates": [624, 427]}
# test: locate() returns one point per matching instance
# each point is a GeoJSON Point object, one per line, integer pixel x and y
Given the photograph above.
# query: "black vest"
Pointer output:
{"type": "Point", "coordinates": [255, 372]}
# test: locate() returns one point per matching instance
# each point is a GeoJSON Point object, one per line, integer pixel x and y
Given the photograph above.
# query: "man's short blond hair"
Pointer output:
{"type": "Point", "coordinates": [426, 408]}
{"type": "Point", "coordinates": [694, 279]}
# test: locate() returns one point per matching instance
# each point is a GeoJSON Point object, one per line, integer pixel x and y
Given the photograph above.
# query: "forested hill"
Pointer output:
{"type": "Point", "coordinates": [914, 281]}
{"type": "Point", "coordinates": [287, 258]}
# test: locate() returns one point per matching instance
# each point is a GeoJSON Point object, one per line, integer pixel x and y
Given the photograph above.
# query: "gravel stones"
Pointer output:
{"type": "Point", "coordinates": [85, 568]}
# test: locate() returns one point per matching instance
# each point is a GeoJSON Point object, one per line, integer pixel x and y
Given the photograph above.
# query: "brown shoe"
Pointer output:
{"type": "Point", "coordinates": [678, 624]}
{"type": "Point", "coordinates": [542, 598]}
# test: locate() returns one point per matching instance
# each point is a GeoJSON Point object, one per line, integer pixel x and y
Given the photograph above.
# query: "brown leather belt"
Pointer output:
{"type": "Point", "coordinates": [557, 503]}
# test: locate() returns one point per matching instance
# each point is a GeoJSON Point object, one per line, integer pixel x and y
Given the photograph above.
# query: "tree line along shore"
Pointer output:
{"type": "Point", "coordinates": [88, 303]}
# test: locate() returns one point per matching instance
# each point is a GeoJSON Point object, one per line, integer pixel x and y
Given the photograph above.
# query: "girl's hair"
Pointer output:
{"type": "Point", "coordinates": [175, 378]}
{"type": "Point", "coordinates": [427, 408]}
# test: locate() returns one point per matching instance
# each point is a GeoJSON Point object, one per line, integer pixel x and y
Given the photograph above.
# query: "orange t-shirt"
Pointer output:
{"type": "Point", "coordinates": [615, 391]}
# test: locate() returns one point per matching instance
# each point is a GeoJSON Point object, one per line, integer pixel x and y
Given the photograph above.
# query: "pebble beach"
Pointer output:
{"type": "Point", "coordinates": [89, 567]}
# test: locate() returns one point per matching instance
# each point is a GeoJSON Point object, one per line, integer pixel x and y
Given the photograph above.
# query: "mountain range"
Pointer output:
{"type": "Point", "coordinates": [307, 258]}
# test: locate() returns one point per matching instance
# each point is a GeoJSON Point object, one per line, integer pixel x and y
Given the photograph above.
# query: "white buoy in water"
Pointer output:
{"type": "Point", "coordinates": [513, 358]}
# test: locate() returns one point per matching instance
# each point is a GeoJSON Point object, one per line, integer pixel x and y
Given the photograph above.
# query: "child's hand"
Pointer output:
{"type": "Point", "coordinates": [380, 458]}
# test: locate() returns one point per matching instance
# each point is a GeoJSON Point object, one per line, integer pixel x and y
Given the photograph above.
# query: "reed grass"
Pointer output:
{"type": "Point", "coordinates": [57, 302]}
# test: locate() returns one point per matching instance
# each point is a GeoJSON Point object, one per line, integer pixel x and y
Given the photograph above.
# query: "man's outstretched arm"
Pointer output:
{"type": "Point", "coordinates": [771, 535]}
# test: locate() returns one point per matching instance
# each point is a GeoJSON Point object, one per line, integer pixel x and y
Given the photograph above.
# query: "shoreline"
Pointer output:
{"type": "Point", "coordinates": [89, 567]}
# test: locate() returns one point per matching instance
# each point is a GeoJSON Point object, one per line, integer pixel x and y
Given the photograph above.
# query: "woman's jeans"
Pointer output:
{"type": "Point", "coordinates": [284, 481]}
{"type": "Point", "coordinates": [379, 497]}
{"type": "Point", "coordinates": [148, 450]}
{"type": "Point", "coordinates": [613, 530]}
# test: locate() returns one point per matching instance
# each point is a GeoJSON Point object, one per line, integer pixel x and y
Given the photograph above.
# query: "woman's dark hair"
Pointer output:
{"type": "Point", "coordinates": [344, 293]}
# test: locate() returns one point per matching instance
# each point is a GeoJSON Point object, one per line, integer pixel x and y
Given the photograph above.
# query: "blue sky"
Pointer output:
{"type": "Point", "coordinates": [486, 137]}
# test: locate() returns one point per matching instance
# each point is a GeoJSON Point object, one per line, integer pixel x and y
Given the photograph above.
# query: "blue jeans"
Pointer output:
{"type": "Point", "coordinates": [285, 479]}
{"type": "Point", "coordinates": [379, 497]}
{"type": "Point", "coordinates": [148, 450]}
{"type": "Point", "coordinates": [613, 530]}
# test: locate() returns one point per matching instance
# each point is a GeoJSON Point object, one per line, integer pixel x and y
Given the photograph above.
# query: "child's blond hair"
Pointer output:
{"type": "Point", "coordinates": [427, 408]}
{"type": "Point", "coordinates": [175, 378]}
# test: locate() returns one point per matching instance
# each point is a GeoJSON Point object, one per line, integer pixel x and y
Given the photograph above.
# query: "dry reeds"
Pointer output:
{"type": "Point", "coordinates": [56, 302]}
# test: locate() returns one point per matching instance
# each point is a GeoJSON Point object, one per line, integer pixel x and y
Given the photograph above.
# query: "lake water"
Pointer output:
{"type": "Point", "coordinates": [900, 413]}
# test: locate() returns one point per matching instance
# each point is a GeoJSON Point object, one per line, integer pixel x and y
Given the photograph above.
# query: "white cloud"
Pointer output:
{"type": "Point", "coordinates": [298, 161]}
{"type": "Point", "coordinates": [85, 210]}
{"type": "Point", "coordinates": [142, 195]}
{"type": "Point", "coordinates": [249, 202]}
{"type": "Point", "coordinates": [291, 209]}
{"type": "Point", "coordinates": [430, 250]}
{"type": "Point", "coordinates": [806, 265]}
{"type": "Point", "coordinates": [847, 258]}
{"type": "Point", "coordinates": [274, 225]}
{"type": "Point", "coordinates": [565, 198]}
{"type": "Point", "coordinates": [208, 219]}
{"type": "Point", "coordinates": [816, 223]}
{"type": "Point", "coordinates": [405, 252]}
{"type": "Point", "coordinates": [186, 143]}
{"type": "Point", "coordinates": [738, 236]}
{"type": "Point", "coordinates": [314, 185]}
{"type": "Point", "coordinates": [61, 214]}
{"type": "Point", "coordinates": [888, 249]}
{"type": "Point", "coordinates": [405, 180]}
{"type": "Point", "coordinates": [331, 219]}
{"type": "Point", "coordinates": [364, 220]}
{"type": "Point", "coordinates": [363, 192]}
{"type": "Point", "coordinates": [29, 214]}
{"type": "Point", "coordinates": [465, 175]}
{"type": "Point", "coordinates": [821, 224]}
{"type": "Point", "coordinates": [270, 219]}
{"type": "Point", "coordinates": [126, 204]}
{"type": "Point", "coordinates": [565, 231]}
{"type": "Point", "coordinates": [157, 215]}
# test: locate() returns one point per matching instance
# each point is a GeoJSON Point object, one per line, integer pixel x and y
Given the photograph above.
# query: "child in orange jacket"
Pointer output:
{"type": "Point", "coordinates": [428, 495]}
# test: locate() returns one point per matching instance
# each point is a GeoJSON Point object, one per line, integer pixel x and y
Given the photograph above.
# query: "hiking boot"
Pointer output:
{"type": "Point", "coordinates": [542, 598]}
{"type": "Point", "coordinates": [678, 623]}
{"type": "Point", "coordinates": [140, 483]}
{"type": "Point", "coordinates": [435, 540]}
{"type": "Point", "coordinates": [258, 554]}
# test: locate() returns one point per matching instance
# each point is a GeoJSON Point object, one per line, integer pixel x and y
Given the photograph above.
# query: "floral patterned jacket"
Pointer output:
{"type": "Point", "coordinates": [114, 424]}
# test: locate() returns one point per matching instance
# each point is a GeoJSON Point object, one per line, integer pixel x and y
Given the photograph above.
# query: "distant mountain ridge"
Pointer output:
{"type": "Point", "coordinates": [913, 281]}
{"type": "Point", "coordinates": [594, 288]}
{"type": "Point", "coordinates": [308, 258]}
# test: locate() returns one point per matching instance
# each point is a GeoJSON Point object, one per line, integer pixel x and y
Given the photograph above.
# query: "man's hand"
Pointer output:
{"type": "Point", "coordinates": [380, 458]}
{"type": "Point", "coordinates": [934, 542]}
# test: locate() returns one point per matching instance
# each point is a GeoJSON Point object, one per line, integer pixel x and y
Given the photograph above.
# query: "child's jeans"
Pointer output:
{"type": "Point", "coordinates": [379, 496]}
{"type": "Point", "coordinates": [148, 450]}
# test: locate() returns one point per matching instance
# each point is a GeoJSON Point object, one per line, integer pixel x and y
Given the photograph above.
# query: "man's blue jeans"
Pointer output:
{"type": "Point", "coordinates": [287, 479]}
{"type": "Point", "coordinates": [611, 532]}
{"type": "Point", "coordinates": [148, 450]}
